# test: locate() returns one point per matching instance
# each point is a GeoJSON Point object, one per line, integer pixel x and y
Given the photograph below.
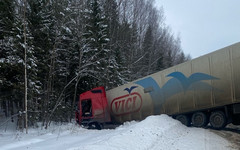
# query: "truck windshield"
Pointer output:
{"type": "Point", "coordinates": [86, 108]}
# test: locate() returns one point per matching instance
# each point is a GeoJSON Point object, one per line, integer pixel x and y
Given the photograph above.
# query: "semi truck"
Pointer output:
{"type": "Point", "coordinates": [200, 92]}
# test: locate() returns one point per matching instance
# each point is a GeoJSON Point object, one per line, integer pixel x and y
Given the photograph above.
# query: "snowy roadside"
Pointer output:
{"type": "Point", "coordinates": [155, 132]}
{"type": "Point", "coordinates": [231, 133]}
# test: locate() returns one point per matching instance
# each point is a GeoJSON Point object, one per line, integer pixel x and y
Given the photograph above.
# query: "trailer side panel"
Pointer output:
{"type": "Point", "coordinates": [206, 82]}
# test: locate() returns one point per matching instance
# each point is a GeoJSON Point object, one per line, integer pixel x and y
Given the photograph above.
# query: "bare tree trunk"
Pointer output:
{"type": "Point", "coordinates": [76, 84]}
{"type": "Point", "coordinates": [20, 122]}
{"type": "Point", "coordinates": [79, 6]}
{"type": "Point", "coordinates": [59, 101]}
{"type": "Point", "coordinates": [74, 97]}
{"type": "Point", "coordinates": [25, 68]}
{"type": "Point", "coordinates": [49, 88]}
{"type": "Point", "coordinates": [77, 81]}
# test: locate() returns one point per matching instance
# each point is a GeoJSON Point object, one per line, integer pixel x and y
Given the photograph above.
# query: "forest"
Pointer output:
{"type": "Point", "coordinates": [53, 50]}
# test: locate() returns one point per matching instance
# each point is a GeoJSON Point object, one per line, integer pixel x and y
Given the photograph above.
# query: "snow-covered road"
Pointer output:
{"type": "Point", "coordinates": [153, 133]}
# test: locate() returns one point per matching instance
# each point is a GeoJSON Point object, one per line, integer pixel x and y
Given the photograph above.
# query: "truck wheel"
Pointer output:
{"type": "Point", "coordinates": [199, 119]}
{"type": "Point", "coordinates": [184, 119]}
{"type": "Point", "coordinates": [94, 125]}
{"type": "Point", "coordinates": [218, 120]}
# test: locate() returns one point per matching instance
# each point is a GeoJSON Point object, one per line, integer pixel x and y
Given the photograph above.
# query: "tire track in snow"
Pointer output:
{"type": "Point", "coordinates": [230, 133]}
{"type": "Point", "coordinates": [20, 144]}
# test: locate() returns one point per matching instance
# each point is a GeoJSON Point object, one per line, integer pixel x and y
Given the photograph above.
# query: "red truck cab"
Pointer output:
{"type": "Point", "coordinates": [92, 109]}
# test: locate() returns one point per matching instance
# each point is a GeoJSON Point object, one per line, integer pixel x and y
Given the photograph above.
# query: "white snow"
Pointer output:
{"type": "Point", "coordinates": [67, 29]}
{"type": "Point", "coordinates": [153, 133]}
{"type": "Point", "coordinates": [2, 60]}
{"type": "Point", "coordinates": [61, 13]}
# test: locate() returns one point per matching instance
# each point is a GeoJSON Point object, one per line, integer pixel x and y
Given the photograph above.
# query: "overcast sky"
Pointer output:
{"type": "Point", "coordinates": [204, 25]}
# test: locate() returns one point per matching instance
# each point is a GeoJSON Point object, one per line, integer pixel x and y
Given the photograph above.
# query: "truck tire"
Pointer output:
{"type": "Point", "coordinates": [184, 119]}
{"type": "Point", "coordinates": [218, 120]}
{"type": "Point", "coordinates": [94, 125]}
{"type": "Point", "coordinates": [199, 119]}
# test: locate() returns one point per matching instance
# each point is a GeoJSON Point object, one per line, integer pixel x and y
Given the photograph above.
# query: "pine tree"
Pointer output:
{"type": "Point", "coordinates": [148, 50]}
{"type": "Point", "coordinates": [128, 36]}
{"type": "Point", "coordinates": [6, 41]}
{"type": "Point", "coordinates": [6, 18]}
{"type": "Point", "coordinates": [11, 55]}
{"type": "Point", "coordinates": [117, 71]}
{"type": "Point", "coordinates": [96, 39]}
{"type": "Point", "coordinates": [39, 23]}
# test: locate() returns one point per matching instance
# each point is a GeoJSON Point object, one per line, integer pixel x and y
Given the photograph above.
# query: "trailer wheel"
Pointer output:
{"type": "Point", "coordinates": [184, 119]}
{"type": "Point", "coordinates": [199, 119]}
{"type": "Point", "coordinates": [218, 120]}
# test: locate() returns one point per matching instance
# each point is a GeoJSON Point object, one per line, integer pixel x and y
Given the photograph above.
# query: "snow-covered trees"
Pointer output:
{"type": "Point", "coordinates": [96, 43]}
{"type": "Point", "coordinates": [75, 45]}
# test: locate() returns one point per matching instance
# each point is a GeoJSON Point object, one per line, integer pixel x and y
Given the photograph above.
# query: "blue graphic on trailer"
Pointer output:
{"type": "Point", "coordinates": [130, 90]}
{"type": "Point", "coordinates": [179, 83]}
{"type": "Point", "coordinates": [187, 83]}
{"type": "Point", "coordinates": [156, 94]}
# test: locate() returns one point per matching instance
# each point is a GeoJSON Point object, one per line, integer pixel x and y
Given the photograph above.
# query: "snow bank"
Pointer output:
{"type": "Point", "coordinates": [155, 133]}
{"type": "Point", "coordinates": [160, 133]}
